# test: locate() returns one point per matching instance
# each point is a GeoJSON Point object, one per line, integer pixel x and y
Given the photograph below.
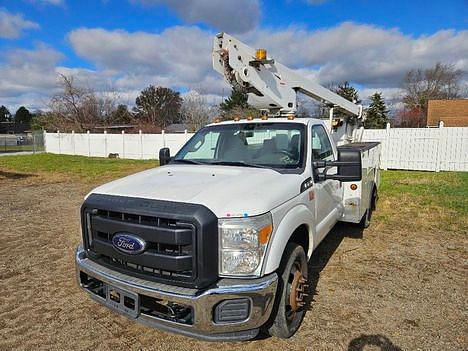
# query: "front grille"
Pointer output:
{"type": "Point", "coordinates": [177, 242]}
{"type": "Point", "coordinates": [169, 250]}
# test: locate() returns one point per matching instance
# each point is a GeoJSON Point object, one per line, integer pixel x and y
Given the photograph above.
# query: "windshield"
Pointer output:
{"type": "Point", "coordinates": [272, 145]}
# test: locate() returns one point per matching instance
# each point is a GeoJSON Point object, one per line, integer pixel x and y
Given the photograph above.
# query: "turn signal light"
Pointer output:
{"type": "Point", "coordinates": [353, 186]}
{"type": "Point", "coordinates": [264, 234]}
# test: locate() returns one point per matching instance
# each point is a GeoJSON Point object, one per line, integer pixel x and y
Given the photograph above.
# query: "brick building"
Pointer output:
{"type": "Point", "coordinates": [454, 113]}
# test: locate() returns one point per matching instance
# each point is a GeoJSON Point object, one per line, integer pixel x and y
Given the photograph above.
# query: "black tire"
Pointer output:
{"type": "Point", "coordinates": [285, 321]}
{"type": "Point", "coordinates": [366, 219]}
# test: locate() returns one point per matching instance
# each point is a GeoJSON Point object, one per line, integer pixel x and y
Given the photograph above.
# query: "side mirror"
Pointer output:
{"type": "Point", "coordinates": [164, 156]}
{"type": "Point", "coordinates": [348, 165]}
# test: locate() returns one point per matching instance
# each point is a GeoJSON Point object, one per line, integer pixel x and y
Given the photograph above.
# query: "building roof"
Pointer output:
{"type": "Point", "coordinates": [176, 128]}
{"type": "Point", "coordinates": [454, 113]}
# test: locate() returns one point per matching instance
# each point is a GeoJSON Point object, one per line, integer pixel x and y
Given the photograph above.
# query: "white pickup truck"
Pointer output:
{"type": "Point", "coordinates": [214, 243]}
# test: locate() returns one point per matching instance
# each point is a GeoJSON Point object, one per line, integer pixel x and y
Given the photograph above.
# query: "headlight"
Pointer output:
{"type": "Point", "coordinates": [242, 244]}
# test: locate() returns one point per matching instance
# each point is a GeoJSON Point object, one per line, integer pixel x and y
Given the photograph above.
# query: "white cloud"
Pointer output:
{"type": "Point", "coordinates": [180, 58]}
{"type": "Point", "coordinates": [12, 25]}
{"type": "Point", "coordinates": [28, 76]}
{"type": "Point", "coordinates": [225, 15]}
{"type": "Point", "coordinates": [363, 54]}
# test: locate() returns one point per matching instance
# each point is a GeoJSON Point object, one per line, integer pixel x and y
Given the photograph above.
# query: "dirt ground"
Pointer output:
{"type": "Point", "coordinates": [399, 285]}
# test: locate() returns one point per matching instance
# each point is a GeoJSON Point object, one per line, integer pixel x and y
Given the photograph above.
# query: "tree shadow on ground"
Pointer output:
{"type": "Point", "coordinates": [14, 175]}
{"type": "Point", "coordinates": [377, 340]}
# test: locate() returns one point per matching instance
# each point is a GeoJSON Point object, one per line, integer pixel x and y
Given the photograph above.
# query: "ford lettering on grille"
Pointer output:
{"type": "Point", "coordinates": [128, 243]}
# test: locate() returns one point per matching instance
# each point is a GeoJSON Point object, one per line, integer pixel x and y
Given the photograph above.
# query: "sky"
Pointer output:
{"type": "Point", "coordinates": [124, 45]}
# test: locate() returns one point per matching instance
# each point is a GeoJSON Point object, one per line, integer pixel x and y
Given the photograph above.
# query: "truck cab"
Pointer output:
{"type": "Point", "coordinates": [215, 242]}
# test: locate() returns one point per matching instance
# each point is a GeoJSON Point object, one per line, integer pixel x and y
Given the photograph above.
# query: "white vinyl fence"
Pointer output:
{"type": "Point", "coordinates": [425, 149]}
{"type": "Point", "coordinates": [133, 146]}
{"type": "Point", "coordinates": [428, 149]}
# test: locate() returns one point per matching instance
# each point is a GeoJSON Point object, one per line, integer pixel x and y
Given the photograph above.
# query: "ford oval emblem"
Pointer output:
{"type": "Point", "coordinates": [128, 243]}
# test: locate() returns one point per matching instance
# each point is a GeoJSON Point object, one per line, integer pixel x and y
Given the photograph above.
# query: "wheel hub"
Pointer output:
{"type": "Point", "coordinates": [298, 293]}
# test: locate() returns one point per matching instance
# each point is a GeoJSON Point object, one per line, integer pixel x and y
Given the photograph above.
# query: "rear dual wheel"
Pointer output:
{"type": "Point", "coordinates": [292, 292]}
{"type": "Point", "coordinates": [366, 219]}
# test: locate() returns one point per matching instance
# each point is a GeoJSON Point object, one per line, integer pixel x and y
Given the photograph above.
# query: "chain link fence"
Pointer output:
{"type": "Point", "coordinates": [30, 142]}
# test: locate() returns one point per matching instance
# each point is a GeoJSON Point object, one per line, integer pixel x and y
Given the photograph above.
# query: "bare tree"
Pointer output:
{"type": "Point", "coordinates": [439, 82]}
{"type": "Point", "coordinates": [195, 110]}
{"type": "Point", "coordinates": [78, 107]}
{"type": "Point", "coordinates": [410, 118]}
{"type": "Point", "coordinates": [107, 103]}
{"type": "Point", "coordinates": [308, 107]}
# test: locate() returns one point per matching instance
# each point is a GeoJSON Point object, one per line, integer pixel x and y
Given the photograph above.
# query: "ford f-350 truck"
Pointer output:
{"type": "Point", "coordinates": [214, 243]}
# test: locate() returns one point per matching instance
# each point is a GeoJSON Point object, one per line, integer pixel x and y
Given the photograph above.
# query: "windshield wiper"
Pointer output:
{"type": "Point", "coordinates": [191, 162]}
{"type": "Point", "coordinates": [237, 163]}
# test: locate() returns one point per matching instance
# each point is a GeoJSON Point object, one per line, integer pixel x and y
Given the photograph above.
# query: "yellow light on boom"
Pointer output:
{"type": "Point", "coordinates": [261, 54]}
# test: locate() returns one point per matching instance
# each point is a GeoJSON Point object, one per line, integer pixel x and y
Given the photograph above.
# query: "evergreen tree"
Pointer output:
{"type": "Point", "coordinates": [238, 99]}
{"type": "Point", "coordinates": [158, 106]}
{"type": "Point", "coordinates": [377, 113]}
{"type": "Point", "coordinates": [349, 93]}
{"type": "Point", "coordinates": [23, 116]}
{"type": "Point", "coordinates": [5, 115]}
{"type": "Point", "coordinates": [121, 115]}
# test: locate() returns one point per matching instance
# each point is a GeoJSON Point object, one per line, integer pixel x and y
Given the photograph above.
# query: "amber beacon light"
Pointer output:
{"type": "Point", "coordinates": [261, 54]}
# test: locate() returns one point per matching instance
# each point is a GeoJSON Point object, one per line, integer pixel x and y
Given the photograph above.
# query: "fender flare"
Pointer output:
{"type": "Point", "coordinates": [295, 217]}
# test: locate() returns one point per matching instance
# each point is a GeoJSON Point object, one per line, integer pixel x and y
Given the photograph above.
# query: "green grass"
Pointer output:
{"type": "Point", "coordinates": [88, 169]}
{"type": "Point", "coordinates": [443, 189]}
{"type": "Point", "coordinates": [17, 148]}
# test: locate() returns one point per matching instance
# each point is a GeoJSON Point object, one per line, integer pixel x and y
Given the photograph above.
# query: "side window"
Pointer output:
{"type": "Point", "coordinates": [321, 146]}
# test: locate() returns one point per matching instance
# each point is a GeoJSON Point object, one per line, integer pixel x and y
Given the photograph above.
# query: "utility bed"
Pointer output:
{"type": "Point", "coordinates": [357, 196]}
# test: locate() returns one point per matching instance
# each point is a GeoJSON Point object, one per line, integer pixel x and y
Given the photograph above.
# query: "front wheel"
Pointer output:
{"type": "Point", "coordinates": [291, 292]}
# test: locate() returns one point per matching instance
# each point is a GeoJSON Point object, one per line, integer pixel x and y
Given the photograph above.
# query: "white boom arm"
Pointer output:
{"type": "Point", "coordinates": [272, 86]}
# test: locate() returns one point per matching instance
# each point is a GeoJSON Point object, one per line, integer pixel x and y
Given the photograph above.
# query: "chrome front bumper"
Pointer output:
{"type": "Point", "coordinates": [260, 292]}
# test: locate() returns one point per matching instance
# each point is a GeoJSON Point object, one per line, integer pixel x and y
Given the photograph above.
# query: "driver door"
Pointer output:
{"type": "Point", "coordinates": [327, 193]}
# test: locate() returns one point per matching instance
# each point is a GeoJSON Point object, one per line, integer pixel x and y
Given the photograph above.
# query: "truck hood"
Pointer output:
{"type": "Point", "coordinates": [226, 190]}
